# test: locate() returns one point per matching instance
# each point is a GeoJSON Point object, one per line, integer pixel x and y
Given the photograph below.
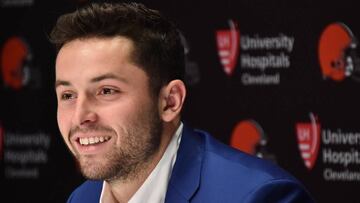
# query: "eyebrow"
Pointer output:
{"type": "Point", "coordinates": [108, 76]}
{"type": "Point", "coordinates": [62, 83]}
{"type": "Point", "coordinates": [93, 80]}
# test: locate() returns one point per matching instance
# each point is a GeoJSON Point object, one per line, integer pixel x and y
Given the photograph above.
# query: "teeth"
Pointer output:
{"type": "Point", "coordinates": [93, 140]}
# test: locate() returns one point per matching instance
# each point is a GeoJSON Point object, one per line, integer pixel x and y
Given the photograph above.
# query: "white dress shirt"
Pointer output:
{"type": "Point", "coordinates": [155, 186]}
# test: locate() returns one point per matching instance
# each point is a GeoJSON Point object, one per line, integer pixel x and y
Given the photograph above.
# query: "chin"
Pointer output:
{"type": "Point", "coordinates": [93, 170]}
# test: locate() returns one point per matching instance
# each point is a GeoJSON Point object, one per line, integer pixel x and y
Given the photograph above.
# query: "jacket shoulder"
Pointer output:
{"type": "Point", "coordinates": [239, 176]}
{"type": "Point", "coordinates": [89, 192]}
{"type": "Point", "coordinates": [216, 152]}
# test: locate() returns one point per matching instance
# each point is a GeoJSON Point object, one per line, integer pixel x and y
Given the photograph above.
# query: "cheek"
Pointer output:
{"type": "Point", "coordinates": [119, 117]}
{"type": "Point", "coordinates": [64, 124]}
{"type": "Point", "coordinates": [116, 115]}
{"type": "Point", "coordinates": [64, 121]}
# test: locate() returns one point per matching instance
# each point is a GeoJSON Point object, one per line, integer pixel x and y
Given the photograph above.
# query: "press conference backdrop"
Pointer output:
{"type": "Point", "coordinates": [276, 79]}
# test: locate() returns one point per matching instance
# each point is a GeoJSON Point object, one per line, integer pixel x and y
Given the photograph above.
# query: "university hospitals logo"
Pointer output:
{"type": "Point", "coordinates": [309, 138]}
{"type": "Point", "coordinates": [337, 53]}
{"type": "Point", "coordinates": [228, 46]}
{"type": "Point", "coordinates": [339, 155]}
{"type": "Point", "coordinates": [263, 57]}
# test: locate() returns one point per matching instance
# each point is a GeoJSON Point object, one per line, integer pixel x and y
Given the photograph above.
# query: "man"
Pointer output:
{"type": "Point", "coordinates": [120, 92]}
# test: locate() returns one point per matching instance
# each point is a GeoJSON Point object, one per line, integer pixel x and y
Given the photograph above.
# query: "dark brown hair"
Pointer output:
{"type": "Point", "coordinates": [157, 45]}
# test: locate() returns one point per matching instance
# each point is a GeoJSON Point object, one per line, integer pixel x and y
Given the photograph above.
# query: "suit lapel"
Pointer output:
{"type": "Point", "coordinates": [185, 176]}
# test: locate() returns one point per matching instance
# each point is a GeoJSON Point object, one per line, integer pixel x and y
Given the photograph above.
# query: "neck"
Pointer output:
{"type": "Point", "coordinates": [119, 190]}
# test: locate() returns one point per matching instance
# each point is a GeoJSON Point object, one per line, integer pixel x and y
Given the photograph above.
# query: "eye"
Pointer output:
{"type": "Point", "coordinates": [108, 91]}
{"type": "Point", "coordinates": [67, 96]}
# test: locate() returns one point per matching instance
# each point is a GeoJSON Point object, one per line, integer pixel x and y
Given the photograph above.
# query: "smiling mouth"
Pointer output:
{"type": "Point", "coordinates": [84, 141]}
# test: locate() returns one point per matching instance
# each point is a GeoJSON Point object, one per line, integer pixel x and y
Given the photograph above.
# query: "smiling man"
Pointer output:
{"type": "Point", "coordinates": [120, 92]}
{"type": "Point", "coordinates": [105, 109]}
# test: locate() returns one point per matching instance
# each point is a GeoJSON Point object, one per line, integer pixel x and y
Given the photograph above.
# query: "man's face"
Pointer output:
{"type": "Point", "coordinates": [105, 112]}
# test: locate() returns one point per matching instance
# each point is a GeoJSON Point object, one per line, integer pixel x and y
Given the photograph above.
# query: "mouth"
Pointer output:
{"type": "Point", "coordinates": [84, 141]}
{"type": "Point", "coordinates": [92, 144]}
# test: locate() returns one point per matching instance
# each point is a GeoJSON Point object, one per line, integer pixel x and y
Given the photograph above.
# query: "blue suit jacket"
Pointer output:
{"type": "Point", "coordinates": [208, 171]}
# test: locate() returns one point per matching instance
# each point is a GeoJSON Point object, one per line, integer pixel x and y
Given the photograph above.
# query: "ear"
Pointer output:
{"type": "Point", "coordinates": [172, 97]}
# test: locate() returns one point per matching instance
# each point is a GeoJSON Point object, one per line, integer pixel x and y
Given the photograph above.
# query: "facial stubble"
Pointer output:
{"type": "Point", "coordinates": [141, 140]}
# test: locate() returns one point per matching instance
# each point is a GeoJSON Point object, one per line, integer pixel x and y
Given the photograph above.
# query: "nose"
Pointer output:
{"type": "Point", "coordinates": [85, 112]}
